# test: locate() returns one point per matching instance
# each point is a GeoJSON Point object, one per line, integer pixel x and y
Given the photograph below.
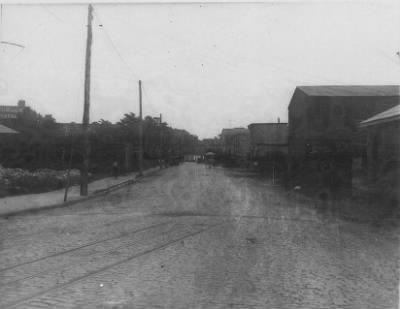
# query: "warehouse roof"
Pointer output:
{"type": "Point", "coordinates": [6, 130]}
{"type": "Point", "coordinates": [268, 124]}
{"type": "Point", "coordinates": [232, 131]}
{"type": "Point", "coordinates": [348, 91]}
{"type": "Point", "coordinates": [392, 114]}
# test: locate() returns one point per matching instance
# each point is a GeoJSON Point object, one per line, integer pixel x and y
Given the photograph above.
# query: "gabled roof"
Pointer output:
{"type": "Point", "coordinates": [392, 114]}
{"type": "Point", "coordinates": [6, 130]}
{"type": "Point", "coordinates": [350, 91]}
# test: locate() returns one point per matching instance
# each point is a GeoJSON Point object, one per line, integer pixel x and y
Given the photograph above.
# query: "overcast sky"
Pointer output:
{"type": "Point", "coordinates": [203, 66]}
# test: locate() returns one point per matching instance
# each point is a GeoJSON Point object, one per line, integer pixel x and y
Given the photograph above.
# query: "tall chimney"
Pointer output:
{"type": "Point", "coordinates": [279, 120]}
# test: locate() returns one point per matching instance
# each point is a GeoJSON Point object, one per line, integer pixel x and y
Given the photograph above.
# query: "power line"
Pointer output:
{"type": "Point", "coordinates": [12, 44]}
{"type": "Point", "coordinates": [1, 35]}
{"type": "Point", "coordinates": [1, 21]}
{"type": "Point", "coordinates": [45, 7]}
{"type": "Point", "coordinates": [130, 69]}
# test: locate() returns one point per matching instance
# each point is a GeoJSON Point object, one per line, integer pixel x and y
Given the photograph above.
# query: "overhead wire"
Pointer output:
{"type": "Point", "coordinates": [2, 42]}
{"type": "Point", "coordinates": [122, 59]}
{"type": "Point", "coordinates": [147, 97]}
{"type": "Point", "coordinates": [46, 8]}
{"type": "Point", "coordinates": [1, 18]}
{"type": "Point", "coordinates": [113, 45]}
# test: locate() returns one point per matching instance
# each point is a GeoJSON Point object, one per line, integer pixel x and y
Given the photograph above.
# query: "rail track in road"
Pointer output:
{"type": "Point", "coordinates": [25, 289]}
{"type": "Point", "coordinates": [55, 237]}
{"type": "Point", "coordinates": [14, 235]}
{"type": "Point", "coordinates": [122, 235]}
{"type": "Point", "coordinates": [266, 251]}
{"type": "Point", "coordinates": [236, 217]}
{"type": "Point", "coordinates": [25, 237]}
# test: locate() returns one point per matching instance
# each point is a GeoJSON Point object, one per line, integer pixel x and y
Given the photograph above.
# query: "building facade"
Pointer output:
{"type": "Point", "coordinates": [235, 144]}
{"type": "Point", "coordinates": [268, 138]}
{"type": "Point", "coordinates": [324, 134]}
{"type": "Point", "coordinates": [383, 153]}
{"type": "Point", "coordinates": [231, 136]}
{"type": "Point", "coordinates": [12, 111]}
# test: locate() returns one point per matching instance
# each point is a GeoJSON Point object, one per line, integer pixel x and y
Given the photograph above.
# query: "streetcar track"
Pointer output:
{"type": "Point", "coordinates": [24, 236]}
{"type": "Point", "coordinates": [183, 214]}
{"type": "Point", "coordinates": [81, 247]}
{"type": "Point", "coordinates": [103, 253]}
{"type": "Point", "coordinates": [103, 269]}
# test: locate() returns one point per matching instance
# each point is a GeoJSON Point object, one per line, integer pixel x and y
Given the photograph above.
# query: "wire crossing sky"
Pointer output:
{"type": "Point", "coordinates": [203, 66]}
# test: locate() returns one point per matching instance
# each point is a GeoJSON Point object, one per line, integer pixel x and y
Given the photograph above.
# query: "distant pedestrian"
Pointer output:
{"type": "Point", "coordinates": [115, 169]}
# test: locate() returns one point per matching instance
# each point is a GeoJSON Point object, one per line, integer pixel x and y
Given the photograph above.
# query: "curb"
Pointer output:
{"type": "Point", "coordinates": [95, 194]}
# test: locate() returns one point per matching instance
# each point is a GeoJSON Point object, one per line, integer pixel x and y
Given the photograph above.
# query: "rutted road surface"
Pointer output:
{"type": "Point", "coordinates": [192, 237]}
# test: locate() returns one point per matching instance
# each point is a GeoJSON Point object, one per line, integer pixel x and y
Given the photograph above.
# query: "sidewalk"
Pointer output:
{"type": "Point", "coordinates": [21, 203]}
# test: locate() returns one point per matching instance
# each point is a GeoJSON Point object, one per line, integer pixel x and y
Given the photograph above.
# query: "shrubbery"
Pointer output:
{"type": "Point", "coordinates": [15, 181]}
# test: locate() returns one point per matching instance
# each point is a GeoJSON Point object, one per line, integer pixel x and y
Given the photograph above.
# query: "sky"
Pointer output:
{"type": "Point", "coordinates": [203, 66]}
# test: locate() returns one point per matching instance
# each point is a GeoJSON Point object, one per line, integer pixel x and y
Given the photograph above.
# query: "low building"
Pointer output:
{"type": "Point", "coordinates": [383, 153]}
{"type": "Point", "coordinates": [226, 137]}
{"type": "Point", "coordinates": [324, 132]}
{"type": "Point", "coordinates": [240, 146]}
{"type": "Point", "coordinates": [70, 129]}
{"type": "Point", "coordinates": [267, 139]}
{"type": "Point", "coordinates": [6, 130]}
{"type": "Point", "coordinates": [268, 148]}
{"type": "Point", "coordinates": [235, 144]}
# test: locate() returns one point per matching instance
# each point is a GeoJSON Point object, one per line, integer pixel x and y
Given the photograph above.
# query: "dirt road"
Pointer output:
{"type": "Point", "coordinates": [192, 237]}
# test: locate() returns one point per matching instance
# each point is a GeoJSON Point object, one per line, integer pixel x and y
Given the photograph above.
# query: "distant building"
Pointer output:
{"type": "Point", "coordinates": [240, 146]}
{"type": "Point", "coordinates": [235, 144]}
{"type": "Point", "coordinates": [269, 147]}
{"type": "Point", "coordinates": [268, 138]}
{"type": "Point", "coordinates": [12, 111]}
{"type": "Point", "coordinates": [76, 129]}
{"type": "Point", "coordinates": [70, 129]}
{"type": "Point", "coordinates": [211, 144]}
{"type": "Point", "coordinates": [227, 138]}
{"type": "Point", "coordinates": [11, 115]}
{"type": "Point", "coordinates": [324, 130]}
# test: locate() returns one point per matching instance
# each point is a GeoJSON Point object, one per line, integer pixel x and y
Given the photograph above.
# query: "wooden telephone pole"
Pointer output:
{"type": "Point", "coordinates": [160, 141]}
{"type": "Point", "coordinates": [140, 154]}
{"type": "Point", "coordinates": [85, 122]}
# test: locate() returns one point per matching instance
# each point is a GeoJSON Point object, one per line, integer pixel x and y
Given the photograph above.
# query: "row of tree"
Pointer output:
{"type": "Point", "coordinates": [43, 143]}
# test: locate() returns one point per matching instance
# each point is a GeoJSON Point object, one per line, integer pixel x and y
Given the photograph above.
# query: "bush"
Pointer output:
{"type": "Point", "coordinates": [20, 181]}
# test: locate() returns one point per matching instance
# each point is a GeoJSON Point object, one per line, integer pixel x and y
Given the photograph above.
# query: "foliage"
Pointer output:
{"type": "Point", "coordinates": [20, 181]}
{"type": "Point", "coordinates": [43, 143]}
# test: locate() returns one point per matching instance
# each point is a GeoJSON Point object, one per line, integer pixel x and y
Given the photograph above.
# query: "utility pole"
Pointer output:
{"type": "Point", "coordinates": [160, 136]}
{"type": "Point", "coordinates": [85, 122]}
{"type": "Point", "coordinates": [68, 174]}
{"type": "Point", "coordinates": [140, 156]}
